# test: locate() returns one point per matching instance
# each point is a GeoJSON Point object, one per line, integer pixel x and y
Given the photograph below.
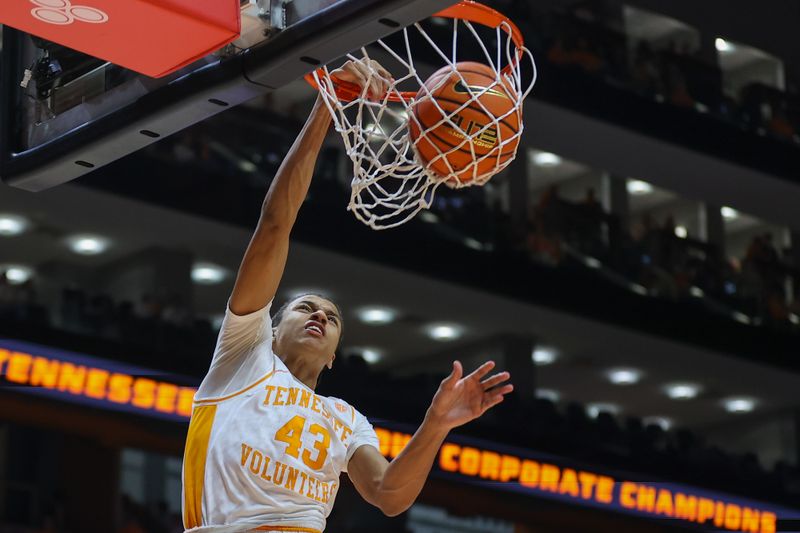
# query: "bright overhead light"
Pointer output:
{"type": "Point", "coordinates": [427, 216]}
{"type": "Point", "coordinates": [638, 289]}
{"type": "Point", "coordinates": [592, 262]}
{"type": "Point", "coordinates": [594, 409]}
{"type": "Point", "coordinates": [17, 274]}
{"type": "Point", "coordinates": [546, 159]}
{"type": "Point", "coordinates": [245, 165]}
{"type": "Point", "coordinates": [697, 292]}
{"type": "Point", "coordinates": [374, 130]}
{"type": "Point", "coordinates": [88, 244]}
{"type": "Point", "coordinates": [682, 391]}
{"type": "Point", "coordinates": [376, 315]}
{"type": "Point", "coordinates": [662, 421]}
{"type": "Point", "coordinates": [624, 376]}
{"type": "Point", "coordinates": [370, 355]}
{"type": "Point", "coordinates": [723, 46]}
{"type": "Point", "coordinates": [739, 405]}
{"type": "Point", "coordinates": [13, 225]}
{"type": "Point", "coordinates": [681, 232]}
{"type": "Point", "coordinates": [548, 394]}
{"type": "Point", "coordinates": [544, 355]}
{"type": "Point", "coordinates": [444, 332]}
{"type": "Point", "coordinates": [729, 213]}
{"type": "Point", "coordinates": [639, 187]}
{"type": "Point", "coordinates": [207, 273]}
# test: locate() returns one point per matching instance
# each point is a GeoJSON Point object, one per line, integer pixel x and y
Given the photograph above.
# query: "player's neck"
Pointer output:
{"type": "Point", "coordinates": [304, 370]}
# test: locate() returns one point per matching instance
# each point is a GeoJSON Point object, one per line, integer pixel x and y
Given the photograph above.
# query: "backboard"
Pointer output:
{"type": "Point", "coordinates": [63, 114]}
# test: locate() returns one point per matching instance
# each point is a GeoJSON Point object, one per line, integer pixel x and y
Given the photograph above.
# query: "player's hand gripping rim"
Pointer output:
{"type": "Point", "coordinates": [368, 75]}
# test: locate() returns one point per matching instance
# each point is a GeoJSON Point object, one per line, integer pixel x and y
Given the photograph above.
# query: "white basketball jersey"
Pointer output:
{"type": "Point", "coordinates": [263, 452]}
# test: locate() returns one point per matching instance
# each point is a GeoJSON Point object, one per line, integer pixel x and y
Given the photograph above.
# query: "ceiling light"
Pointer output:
{"type": "Point", "coordinates": [594, 409]}
{"type": "Point", "coordinates": [544, 356]}
{"type": "Point", "coordinates": [207, 273]}
{"type": "Point", "coordinates": [13, 224]}
{"type": "Point", "coordinates": [739, 405]}
{"type": "Point", "coordinates": [88, 244]}
{"type": "Point", "coordinates": [546, 159]}
{"type": "Point", "coordinates": [474, 244]}
{"type": "Point", "coordinates": [17, 274]}
{"type": "Point", "coordinates": [246, 165]}
{"type": "Point", "coordinates": [374, 130]}
{"type": "Point", "coordinates": [444, 332]}
{"type": "Point", "coordinates": [639, 187]}
{"type": "Point", "coordinates": [661, 421]}
{"type": "Point", "coordinates": [682, 391]}
{"type": "Point", "coordinates": [697, 292]}
{"type": "Point", "coordinates": [370, 355]}
{"type": "Point", "coordinates": [638, 289]}
{"type": "Point", "coordinates": [723, 46]}
{"type": "Point", "coordinates": [624, 376]}
{"type": "Point", "coordinates": [741, 317]}
{"type": "Point", "coordinates": [729, 213]}
{"type": "Point", "coordinates": [427, 216]}
{"type": "Point", "coordinates": [681, 231]}
{"type": "Point", "coordinates": [376, 315]}
{"type": "Point", "coordinates": [592, 262]}
{"type": "Point", "coordinates": [548, 394]}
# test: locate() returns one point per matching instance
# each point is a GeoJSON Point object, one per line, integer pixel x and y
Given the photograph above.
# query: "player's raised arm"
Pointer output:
{"type": "Point", "coordinates": [264, 261]}
{"type": "Point", "coordinates": [393, 487]}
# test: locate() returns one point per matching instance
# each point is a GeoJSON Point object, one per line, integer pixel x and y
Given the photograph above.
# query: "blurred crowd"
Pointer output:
{"type": "Point", "coordinates": [583, 40]}
{"type": "Point", "coordinates": [659, 261]}
{"type": "Point", "coordinates": [148, 328]}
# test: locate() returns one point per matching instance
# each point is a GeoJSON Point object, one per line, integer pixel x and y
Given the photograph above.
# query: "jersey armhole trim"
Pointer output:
{"type": "Point", "coordinates": [218, 399]}
{"type": "Point", "coordinates": [289, 529]}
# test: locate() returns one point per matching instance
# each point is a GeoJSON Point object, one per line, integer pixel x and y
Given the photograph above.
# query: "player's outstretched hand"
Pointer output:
{"type": "Point", "coordinates": [460, 400]}
{"type": "Point", "coordinates": [365, 73]}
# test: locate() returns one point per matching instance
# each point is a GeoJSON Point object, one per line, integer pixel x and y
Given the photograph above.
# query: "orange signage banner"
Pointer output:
{"type": "Point", "coordinates": [74, 377]}
{"type": "Point", "coordinates": [503, 468]}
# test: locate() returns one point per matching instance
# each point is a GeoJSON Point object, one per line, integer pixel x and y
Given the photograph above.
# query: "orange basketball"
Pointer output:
{"type": "Point", "coordinates": [446, 88]}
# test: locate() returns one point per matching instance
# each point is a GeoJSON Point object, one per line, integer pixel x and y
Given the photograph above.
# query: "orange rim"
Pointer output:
{"type": "Point", "coordinates": [467, 10]}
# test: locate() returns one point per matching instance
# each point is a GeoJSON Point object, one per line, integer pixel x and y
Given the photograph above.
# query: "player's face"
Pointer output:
{"type": "Point", "coordinates": [312, 322]}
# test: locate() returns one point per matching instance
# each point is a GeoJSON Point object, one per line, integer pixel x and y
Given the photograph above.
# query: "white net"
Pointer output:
{"type": "Point", "coordinates": [392, 181]}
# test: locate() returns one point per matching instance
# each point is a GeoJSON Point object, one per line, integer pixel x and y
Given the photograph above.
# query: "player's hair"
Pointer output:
{"type": "Point", "coordinates": [278, 317]}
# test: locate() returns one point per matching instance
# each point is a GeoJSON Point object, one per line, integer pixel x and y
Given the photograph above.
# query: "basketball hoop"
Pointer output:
{"type": "Point", "coordinates": [392, 181]}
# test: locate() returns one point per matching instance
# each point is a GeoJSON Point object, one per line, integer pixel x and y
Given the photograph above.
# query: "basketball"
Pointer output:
{"type": "Point", "coordinates": [444, 94]}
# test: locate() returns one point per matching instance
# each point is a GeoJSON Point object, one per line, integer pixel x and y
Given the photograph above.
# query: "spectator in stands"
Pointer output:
{"type": "Point", "coordinates": [645, 73]}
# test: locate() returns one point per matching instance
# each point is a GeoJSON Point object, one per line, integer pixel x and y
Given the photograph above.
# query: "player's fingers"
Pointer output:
{"type": "Point", "coordinates": [385, 74]}
{"type": "Point", "coordinates": [496, 396]}
{"type": "Point", "coordinates": [498, 378]}
{"type": "Point", "coordinates": [481, 371]}
{"type": "Point", "coordinates": [492, 401]}
{"type": "Point", "coordinates": [451, 380]}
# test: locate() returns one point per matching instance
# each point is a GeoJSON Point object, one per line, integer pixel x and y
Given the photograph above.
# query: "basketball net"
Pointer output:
{"type": "Point", "coordinates": [391, 183]}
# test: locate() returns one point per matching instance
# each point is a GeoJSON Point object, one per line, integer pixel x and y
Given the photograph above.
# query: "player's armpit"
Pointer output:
{"type": "Point", "coordinates": [366, 470]}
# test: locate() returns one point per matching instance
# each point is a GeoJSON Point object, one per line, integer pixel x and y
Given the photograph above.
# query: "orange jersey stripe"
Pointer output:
{"type": "Point", "coordinates": [221, 398]}
{"type": "Point", "coordinates": [194, 464]}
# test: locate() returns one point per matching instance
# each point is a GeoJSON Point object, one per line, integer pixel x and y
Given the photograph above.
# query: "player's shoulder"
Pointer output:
{"type": "Point", "coordinates": [343, 408]}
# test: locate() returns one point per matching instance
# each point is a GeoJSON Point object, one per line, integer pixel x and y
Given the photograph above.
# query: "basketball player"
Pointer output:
{"type": "Point", "coordinates": [264, 452]}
